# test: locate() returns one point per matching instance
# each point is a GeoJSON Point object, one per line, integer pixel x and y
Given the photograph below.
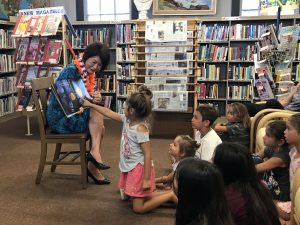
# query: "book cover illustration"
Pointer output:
{"type": "Point", "coordinates": [263, 88]}
{"type": "Point", "coordinates": [51, 25]}
{"type": "Point", "coordinates": [43, 72]}
{"type": "Point", "coordinates": [41, 50]}
{"type": "Point", "coordinates": [288, 37]}
{"type": "Point", "coordinates": [268, 40]}
{"type": "Point", "coordinates": [52, 51]}
{"type": "Point", "coordinates": [20, 83]}
{"type": "Point", "coordinates": [32, 73]}
{"type": "Point", "coordinates": [67, 97]}
{"type": "Point", "coordinates": [22, 49]}
{"type": "Point", "coordinates": [23, 99]}
{"type": "Point", "coordinates": [40, 25]}
{"type": "Point", "coordinates": [21, 25]}
{"type": "Point", "coordinates": [80, 89]}
{"type": "Point", "coordinates": [33, 48]}
{"type": "Point", "coordinates": [54, 71]}
{"type": "Point", "coordinates": [31, 25]}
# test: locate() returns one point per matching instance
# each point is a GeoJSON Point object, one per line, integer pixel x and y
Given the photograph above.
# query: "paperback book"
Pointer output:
{"type": "Point", "coordinates": [263, 88]}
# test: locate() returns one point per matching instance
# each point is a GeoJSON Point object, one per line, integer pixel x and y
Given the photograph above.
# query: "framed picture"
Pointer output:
{"type": "Point", "coordinates": [184, 7]}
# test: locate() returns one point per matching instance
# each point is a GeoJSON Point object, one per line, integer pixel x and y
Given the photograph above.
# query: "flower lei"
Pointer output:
{"type": "Point", "coordinates": [88, 78]}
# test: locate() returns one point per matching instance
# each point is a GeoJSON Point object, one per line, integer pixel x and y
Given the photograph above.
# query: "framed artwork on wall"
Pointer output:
{"type": "Point", "coordinates": [184, 7]}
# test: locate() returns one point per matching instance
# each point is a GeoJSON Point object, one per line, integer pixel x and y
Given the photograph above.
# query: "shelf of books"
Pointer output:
{"type": "Point", "coordinates": [104, 32]}
{"type": "Point", "coordinates": [8, 90]}
{"type": "Point", "coordinates": [165, 62]}
{"type": "Point", "coordinates": [227, 61]}
{"type": "Point", "coordinates": [40, 43]}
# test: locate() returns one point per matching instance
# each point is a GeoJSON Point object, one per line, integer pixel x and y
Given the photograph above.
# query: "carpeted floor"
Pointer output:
{"type": "Point", "coordinates": [59, 198]}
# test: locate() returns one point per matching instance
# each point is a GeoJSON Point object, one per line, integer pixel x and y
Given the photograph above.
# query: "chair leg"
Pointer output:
{"type": "Point", "coordinates": [83, 164]}
{"type": "Point", "coordinates": [42, 163]}
{"type": "Point", "coordinates": [56, 155]}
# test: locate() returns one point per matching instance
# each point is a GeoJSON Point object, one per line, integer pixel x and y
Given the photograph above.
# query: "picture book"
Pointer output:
{"type": "Point", "coordinates": [22, 49]}
{"type": "Point", "coordinates": [24, 97]}
{"type": "Point", "coordinates": [54, 71]}
{"type": "Point", "coordinates": [268, 40]}
{"type": "Point", "coordinates": [80, 89]}
{"type": "Point", "coordinates": [21, 25]}
{"type": "Point", "coordinates": [20, 83]}
{"type": "Point", "coordinates": [51, 25]}
{"type": "Point", "coordinates": [32, 52]}
{"type": "Point", "coordinates": [52, 51]}
{"type": "Point", "coordinates": [32, 73]}
{"type": "Point", "coordinates": [288, 37]}
{"type": "Point", "coordinates": [66, 96]}
{"type": "Point", "coordinates": [40, 25]}
{"type": "Point", "coordinates": [263, 88]}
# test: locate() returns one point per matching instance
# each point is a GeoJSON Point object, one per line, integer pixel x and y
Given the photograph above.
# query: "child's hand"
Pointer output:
{"type": "Point", "coordinates": [86, 103]}
{"type": "Point", "coordinates": [81, 109]}
{"type": "Point", "coordinates": [146, 185]}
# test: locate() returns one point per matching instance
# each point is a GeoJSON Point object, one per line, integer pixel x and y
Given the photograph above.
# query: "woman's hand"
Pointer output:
{"type": "Point", "coordinates": [146, 185]}
{"type": "Point", "coordinates": [96, 97]}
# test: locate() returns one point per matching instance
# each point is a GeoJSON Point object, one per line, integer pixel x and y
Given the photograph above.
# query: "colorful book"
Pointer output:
{"type": "Point", "coordinates": [51, 25]}
{"type": "Point", "coordinates": [32, 73]}
{"type": "Point", "coordinates": [43, 72]}
{"type": "Point", "coordinates": [40, 25]}
{"type": "Point", "coordinates": [24, 97]}
{"type": "Point", "coordinates": [263, 89]}
{"type": "Point", "coordinates": [21, 78]}
{"type": "Point", "coordinates": [32, 52]}
{"type": "Point", "coordinates": [22, 49]}
{"type": "Point", "coordinates": [21, 25]}
{"type": "Point", "coordinates": [54, 71]}
{"type": "Point", "coordinates": [41, 50]}
{"type": "Point", "coordinates": [32, 23]}
{"type": "Point", "coordinates": [52, 51]}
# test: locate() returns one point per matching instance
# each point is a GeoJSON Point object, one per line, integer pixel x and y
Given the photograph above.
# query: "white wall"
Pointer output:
{"type": "Point", "coordinates": [223, 8]}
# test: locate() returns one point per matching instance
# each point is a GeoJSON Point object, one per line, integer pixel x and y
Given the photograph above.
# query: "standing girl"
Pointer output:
{"type": "Point", "coordinates": [137, 173]}
{"type": "Point", "coordinates": [182, 147]}
{"type": "Point", "coordinates": [237, 128]}
{"type": "Point", "coordinates": [276, 161]}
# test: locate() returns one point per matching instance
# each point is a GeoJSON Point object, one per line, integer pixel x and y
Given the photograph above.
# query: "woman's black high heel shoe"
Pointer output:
{"type": "Point", "coordinates": [98, 182]}
{"type": "Point", "coordinates": [99, 166]}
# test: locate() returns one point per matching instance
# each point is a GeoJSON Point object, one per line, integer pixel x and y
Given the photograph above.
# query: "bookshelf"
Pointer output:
{"type": "Point", "coordinates": [225, 58]}
{"type": "Point", "coordinates": [8, 91]}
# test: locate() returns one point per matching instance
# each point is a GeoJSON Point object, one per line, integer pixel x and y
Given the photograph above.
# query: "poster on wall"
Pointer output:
{"type": "Point", "coordinates": [288, 7]}
{"type": "Point", "coordinates": [11, 7]}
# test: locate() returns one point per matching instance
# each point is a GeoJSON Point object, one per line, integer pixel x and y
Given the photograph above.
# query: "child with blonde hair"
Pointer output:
{"type": "Point", "coordinates": [137, 178]}
{"type": "Point", "coordinates": [238, 126]}
{"type": "Point", "coordinates": [182, 147]}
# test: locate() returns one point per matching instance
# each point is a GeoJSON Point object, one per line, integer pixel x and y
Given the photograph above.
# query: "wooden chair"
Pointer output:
{"type": "Point", "coordinates": [40, 92]}
{"type": "Point", "coordinates": [295, 197]}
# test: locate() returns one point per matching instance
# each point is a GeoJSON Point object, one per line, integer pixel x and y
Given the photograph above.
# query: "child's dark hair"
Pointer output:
{"type": "Point", "coordinates": [295, 121]}
{"type": "Point", "coordinates": [140, 101]}
{"type": "Point", "coordinates": [97, 49]}
{"type": "Point", "coordinates": [237, 167]}
{"type": "Point", "coordinates": [241, 113]}
{"type": "Point", "coordinates": [188, 146]}
{"type": "Point", "coordinates": [208, 113]}
{"type": "Point", "coordinates": [276, 129]}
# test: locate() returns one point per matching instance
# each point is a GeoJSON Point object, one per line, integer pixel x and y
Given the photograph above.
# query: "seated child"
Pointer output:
{"type": "Point", "coordinates": [238, 126]}
{"type": "Point", "coordinates": [275, 161]}
{"type": "Point", "coordinates": [203, 119]}
{"type": "Point", "coordinates": [182, 147]}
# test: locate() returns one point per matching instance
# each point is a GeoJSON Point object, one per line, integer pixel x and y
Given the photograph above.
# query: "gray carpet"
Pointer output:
{"type": "Point", "coordinates": [59, 198]}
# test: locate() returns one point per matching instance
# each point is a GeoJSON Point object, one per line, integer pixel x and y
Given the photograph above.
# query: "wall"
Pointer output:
{"type": "Point", "coordinates": [223, 8]}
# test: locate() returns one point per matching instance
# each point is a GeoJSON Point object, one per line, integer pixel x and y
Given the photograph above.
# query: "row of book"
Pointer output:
{"type": "Point", "coordinates": [120, 106]}
{"type": "Point", "coordinates": [213, 32]}
{"type": "Point", "coordinates": [85, 37]}
{"type": "Point", "coordinates": [238, 72]}
{"type": "Point", "coordinates": [205, 91]}
{"type": "Point", "coordinates": [28, 25]}
{"type": "Point", "coordinates": [7, 63]}
{"type": "Point", "coordinates": [106, 83]}
{"type": "Point", "coordinates": [6, 40]}
{"type": "Point", "coordinates": [27, 73]}
{"type": "Point", "coordinates": [212, 53]}
{"type": "Point", "coordinates": [37, 50]}
{"type": "Point", "coordinates": [7, 105]}
{"type": "Point", "coordinates": [126, 54]}
{"type": "Point", "coordinates": [245, 53]}
{"type": "Point", "coordinates": [209, 72]}
{"type": "Point", "coordinates": [241, 31]}
{"type": "Point", "coordinates": [238, 92]}
{"type": "Point", "coordinates": [7, 85]}
{"type": "Point", "coordinates": [125, 71]}
{"type": "Point", "coordinates": [125, 33]}
{"type": "Point", "coordinates": [126, 88]}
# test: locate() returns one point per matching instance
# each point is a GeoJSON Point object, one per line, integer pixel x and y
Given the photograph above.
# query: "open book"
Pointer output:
{"type": "Point", "coordinates": [69, 93]}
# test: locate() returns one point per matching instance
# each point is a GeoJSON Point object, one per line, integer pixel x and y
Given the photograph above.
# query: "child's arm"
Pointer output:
{"type": "Point", "coordinates": [261, 153]}
{"type": "Point", "coordinates": [220, 128]}
{"type": "Point", "coordinates": [270, 164]}
{"type": "Point", "coordinates": [165, 179]}
{"type": "Point", "coordinates": [147, 159]}
{"type": "Point", "coordinates": [104, 111]}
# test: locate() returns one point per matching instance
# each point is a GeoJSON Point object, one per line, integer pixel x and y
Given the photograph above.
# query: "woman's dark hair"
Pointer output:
{"type": "Point", "coordinates": [236, 165]}
{"type": "Point", "coordinates": [200, 192]}
{"type": "Point", "coordinates": [97, 49]}
{"type": "Point", "coordinates": [188, 146]}
{"type": "Point", "coordinates": [276, 129]}
{"type": "Point", "coordinates": [140, 101]}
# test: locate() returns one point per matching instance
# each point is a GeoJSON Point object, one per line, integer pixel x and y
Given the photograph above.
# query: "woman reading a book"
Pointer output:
{"type": "Point", "coordinates": [94, 58]}
{"type": "Point", "coordinates": [291, 102]}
